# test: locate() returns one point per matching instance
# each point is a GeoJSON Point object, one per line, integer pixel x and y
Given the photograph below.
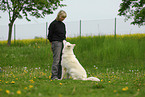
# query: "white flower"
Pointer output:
{"type": "Point", "coordinates": [25, 68]}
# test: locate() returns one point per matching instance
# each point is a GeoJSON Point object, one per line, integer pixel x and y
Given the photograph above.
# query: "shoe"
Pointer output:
{"type": "Point", "coordinates": [54, 78]}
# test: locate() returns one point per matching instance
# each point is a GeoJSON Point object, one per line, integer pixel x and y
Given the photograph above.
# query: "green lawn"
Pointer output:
{"type": "Point", "coordinates": [119, 63]}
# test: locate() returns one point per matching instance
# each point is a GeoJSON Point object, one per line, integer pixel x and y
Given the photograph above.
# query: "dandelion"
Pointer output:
{"type": "Point", "coordinates": [30, 86]}
{"type": "Point", "coordinates": [114, 91]}
{"type": "Point", "coordinates": [59, 95]}
{"type": "Point", "coordinates": [101, 80]}
{"type": "Point", "coordinates": [125, 89]}
{"type": "Point", "coordinates": [16, 78]}
{"type": "Point", "coordinates": [31, 81]}
{"type": "Point", "coordinates": [12, 82]}
{"type": "Point", "coordinates": [7, 91]}
{"type": "Point", "coordinates": [109, 81]}
{"type": "Point", "coordinates": [49, 77]}
{"type": "Point", "coordinates": [25, 71]}
{"type": "Point", "coordinates": [60, 83]}
{"type": "Point", "coordinates": [18, 92]}
{"type": "Point", "coordinates": [35, 77]}
{"type": "Point", "coordinates": [25, 88]}
{"type": "Point", "coordinates": [6, 82]}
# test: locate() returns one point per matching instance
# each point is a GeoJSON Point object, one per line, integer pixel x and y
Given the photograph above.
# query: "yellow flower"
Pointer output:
{"type": "Point", "coordinates": [35, 77]}
{"type": "Point", "coordinates": [101, 80]}
{"type": "Point", "coordinates": [25, 88]}
{"type": "Point", "coordinates": [7, 91]}
{"type": "Point", "coordinates": [31, 81]}
{"type": "Point", "coordinates": [6, 82]}
{"type": "Point", "coordinates": [12, 82]}
{"type": "Point", "coordinates": [114, 91]}
{"type": "Point", "coordinates": [60, 83]}
{"type": "Point", "coordinates": [30, 86]}
{"type": "Point", "coordinates": [0, 89]}
{"type": "Point", "coordinates": [25, 71]}
{"type": "Point", "coordinates": [125, 89]}
{"type": "Point", "coordinates": [49, 77]}
{"type": "Point", "coordinates": [16, 78]}
{"type": "Point", "coordinates": [18, 92]}
{"type": "Point", "coordinates": [59, 95]}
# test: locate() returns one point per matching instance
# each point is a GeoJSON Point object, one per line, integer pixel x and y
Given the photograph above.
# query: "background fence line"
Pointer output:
{"type": "Point", "coordinates": [74, 29]}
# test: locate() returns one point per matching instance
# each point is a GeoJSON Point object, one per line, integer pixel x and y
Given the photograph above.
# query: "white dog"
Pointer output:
{"type": "Point", "coordinates": [71, 66]}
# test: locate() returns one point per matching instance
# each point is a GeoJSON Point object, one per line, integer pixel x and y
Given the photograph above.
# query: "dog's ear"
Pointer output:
{"type": "Point", "coordinates": [74, 44]}
{"type": "Point", "coordinates": [64, 42]}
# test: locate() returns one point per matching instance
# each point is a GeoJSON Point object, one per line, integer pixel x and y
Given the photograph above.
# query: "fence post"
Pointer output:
{"type": "Point", "coordinates": [115, 29]}
{"type": "Point", "coordinates": [14, 33]}
{"type": "Point", "coordinates": [46, 31]}
{"type": "Point", "coordinates": [80, 28]}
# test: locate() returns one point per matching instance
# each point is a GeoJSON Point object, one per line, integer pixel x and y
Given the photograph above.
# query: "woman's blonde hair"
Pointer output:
{"type": "Point", "coordinates": [61, 13]}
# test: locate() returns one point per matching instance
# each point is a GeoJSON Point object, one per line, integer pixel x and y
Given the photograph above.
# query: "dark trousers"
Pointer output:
{"type": "Point", "coordinates": [57, 47]}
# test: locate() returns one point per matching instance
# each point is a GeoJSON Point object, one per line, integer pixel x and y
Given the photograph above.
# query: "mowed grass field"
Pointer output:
{"type": "Point", "coordinates": [25, 68]}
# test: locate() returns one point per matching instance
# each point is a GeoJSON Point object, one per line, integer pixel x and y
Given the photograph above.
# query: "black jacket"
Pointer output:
{"type": "Point", "coordinates": [57, 31]}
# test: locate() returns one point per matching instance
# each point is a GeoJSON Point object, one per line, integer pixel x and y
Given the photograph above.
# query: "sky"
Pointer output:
{"type": "Point", "coordinates": [76, 10]}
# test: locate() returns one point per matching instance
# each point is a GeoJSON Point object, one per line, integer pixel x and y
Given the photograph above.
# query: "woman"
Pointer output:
{"type": "Point", "coordinates": [56, 35]}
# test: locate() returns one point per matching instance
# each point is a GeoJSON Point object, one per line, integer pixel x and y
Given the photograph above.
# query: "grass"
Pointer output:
{"type": "Point", "coordinates": [119, 63]}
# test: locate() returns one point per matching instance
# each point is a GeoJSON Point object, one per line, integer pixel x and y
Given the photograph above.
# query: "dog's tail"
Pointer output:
{"type": "Point", "coordinates": [92, 79]}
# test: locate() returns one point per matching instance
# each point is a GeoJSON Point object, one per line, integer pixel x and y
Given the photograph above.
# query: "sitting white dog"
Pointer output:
{"type": "Point", "coordinates": [71, 66]}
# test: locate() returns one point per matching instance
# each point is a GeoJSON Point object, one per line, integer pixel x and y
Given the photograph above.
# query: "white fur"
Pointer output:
{"type": "Point", "coordinates": [71, 66]}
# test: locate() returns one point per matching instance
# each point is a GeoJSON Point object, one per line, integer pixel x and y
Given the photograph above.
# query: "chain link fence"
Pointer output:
{"type": "Point", "coordinates": [74, 29]}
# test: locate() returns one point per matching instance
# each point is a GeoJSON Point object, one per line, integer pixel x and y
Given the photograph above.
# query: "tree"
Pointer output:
{"type": "Point", "coordinates": [21, 8]}
{"type": "Point", "coordinates": [133, 9]}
